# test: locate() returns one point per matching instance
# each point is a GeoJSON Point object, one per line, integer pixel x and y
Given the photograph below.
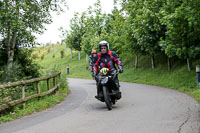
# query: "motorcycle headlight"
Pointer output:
{"type": "Point", "coordinates": [104, 81]}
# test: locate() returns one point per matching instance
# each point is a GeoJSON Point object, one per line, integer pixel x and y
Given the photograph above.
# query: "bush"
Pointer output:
{"type": "Point", "coordinates": [24, 57]}
{"type": "Point", "coordinates": [62, 53]}
{"type": "Point", "coordinates": [53, 56]}
{"type": "Point", "coordinates": [12, 74]}
{"type": "Point", "coordinates": [42, 57]}
{"type": "Point", "coordinates": [23, 67]}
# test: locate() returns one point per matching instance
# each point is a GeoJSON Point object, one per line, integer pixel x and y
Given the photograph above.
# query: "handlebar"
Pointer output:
{"type": "Point", "coordinates": [113, 74]}
{"type": "Point", "coordinates": [116, 72]}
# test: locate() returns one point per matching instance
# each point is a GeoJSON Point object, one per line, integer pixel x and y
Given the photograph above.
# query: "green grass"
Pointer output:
{"type": "Point", "coordinates": [178, 78]}
{"type": "Point", "coordinates": [34, 105]}
{"type": "Point", "coordinates": [77, 68]}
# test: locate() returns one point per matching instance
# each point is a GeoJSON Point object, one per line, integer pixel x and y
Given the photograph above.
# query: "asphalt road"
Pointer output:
{"type": "Point", "coordinates": [142, 109]}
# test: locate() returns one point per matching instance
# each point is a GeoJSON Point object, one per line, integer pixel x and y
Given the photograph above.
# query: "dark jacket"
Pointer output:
{"type": "Point", "coordinates": [108, 60]}
{"type": "Point", "coordinates": [92, 60]}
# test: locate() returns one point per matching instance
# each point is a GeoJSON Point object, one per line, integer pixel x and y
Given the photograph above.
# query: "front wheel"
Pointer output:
{"type": "Point", "coordinates": [107, 98]}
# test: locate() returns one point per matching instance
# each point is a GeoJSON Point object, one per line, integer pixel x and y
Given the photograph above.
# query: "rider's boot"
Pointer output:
{"type": "Point", "coordinates": [117, 92]}
{"type": "Point", "coordinates": [99, 95]}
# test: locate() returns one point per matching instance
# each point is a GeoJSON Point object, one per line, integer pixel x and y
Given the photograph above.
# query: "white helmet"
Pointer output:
{"type": "Point", "coordinates": [103, 43]}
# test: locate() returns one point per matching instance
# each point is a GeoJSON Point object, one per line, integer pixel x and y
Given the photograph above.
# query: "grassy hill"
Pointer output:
{"type": "Point", "coordinates": [178, 78]}
{"type": "Point", "coordinates": [52, 61]}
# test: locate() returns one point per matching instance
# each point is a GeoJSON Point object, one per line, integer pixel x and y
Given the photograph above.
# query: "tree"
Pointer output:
{"type": "Point", "coordinates": [86, 43]}
{"type": "Point", "coordinates": [148, 29]}
{"type": "Point", "coordinates": [132, 45]}
{"type": "Point", "coordinates": [182, 36]}
{"type": "Point", "coordinates": [117, 31]}
{"type": "Point", "coordinates": [85, 28]}
{"type": "Point", "coordinates": [20, 19]}
{"type": "Point", "coordinates": [69, 43]}
{"type": "Point", "coordinates": [77, 31]}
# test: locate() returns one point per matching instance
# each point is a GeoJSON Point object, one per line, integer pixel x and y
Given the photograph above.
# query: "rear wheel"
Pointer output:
{"type": "Point", "coordinates": [107, 98]}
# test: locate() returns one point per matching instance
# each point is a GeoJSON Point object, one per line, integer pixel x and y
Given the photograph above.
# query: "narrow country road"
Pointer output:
{"type": "Point", "coordinates": [142, 109]}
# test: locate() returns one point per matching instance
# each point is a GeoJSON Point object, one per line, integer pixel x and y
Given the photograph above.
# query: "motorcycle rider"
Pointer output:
{"type": "Point", "coordinates": [92, 59]}
{"type": "Point", "coordinates": [108, 59]}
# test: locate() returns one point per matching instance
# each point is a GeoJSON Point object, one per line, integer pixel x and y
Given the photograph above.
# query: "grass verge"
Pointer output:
{"type": "Point", "coordinates": [36, 105]}
{"type": "Point", "coordinates": [178, 79]}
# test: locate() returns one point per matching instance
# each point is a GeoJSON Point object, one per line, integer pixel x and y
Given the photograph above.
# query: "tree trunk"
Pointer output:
{"type": "Point", "coordinates": [65, 50]}
{"type": "Point", "coordinates": [169, 64]}
{"type": "Point", "coordinates": [136, 61]}
{"type": "Point", "coordinates": [189, 64]}
{"type": "Point", "coordinates": [86, 57]}
{"type": "Point", "coordinates": [12, 41]}
{"type": "Point", "coordinates": [8, 47]}
{"type": "Point", "coordinates": [153, 61]}
{"type": "Point", "coordinates": [79, 55]}
{"type": "Point", "coordinates": [11, 50]}
{"type": "Point", "coordinates": [71, 54]}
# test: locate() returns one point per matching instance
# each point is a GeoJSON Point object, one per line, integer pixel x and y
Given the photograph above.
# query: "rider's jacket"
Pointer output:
{"type": "Point", "coordinates": [92, 60]}
{"type": "Point", "coordinates": [107, 60]}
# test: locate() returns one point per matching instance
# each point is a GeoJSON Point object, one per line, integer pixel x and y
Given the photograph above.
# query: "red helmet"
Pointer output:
{"type": "Point", "coordinates": [94, 52]}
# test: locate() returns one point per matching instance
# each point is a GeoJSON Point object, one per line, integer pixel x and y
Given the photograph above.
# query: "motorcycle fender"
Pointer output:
{"type": "Point", "coordinates": [104, 81]}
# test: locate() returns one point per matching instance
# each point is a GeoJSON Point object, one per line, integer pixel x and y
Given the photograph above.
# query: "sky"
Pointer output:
{"type": "Point", "coordinates": [52, 34]}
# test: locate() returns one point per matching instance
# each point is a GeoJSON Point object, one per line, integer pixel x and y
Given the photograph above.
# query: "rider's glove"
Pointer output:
{"type": "Point", "coordinates": [120, 69]}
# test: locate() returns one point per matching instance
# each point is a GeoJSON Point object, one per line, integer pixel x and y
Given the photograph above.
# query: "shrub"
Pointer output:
{"type": "Point", "coordinates": [42, 57]}
{"type": "Point", "coordinates": [25, 59]}
{"type": "Point", "coordinates": [12, 74]}
{"type": "Point", "coordinates": [23, 67]}
{"type": "Point", "coordinates": [62, 53]}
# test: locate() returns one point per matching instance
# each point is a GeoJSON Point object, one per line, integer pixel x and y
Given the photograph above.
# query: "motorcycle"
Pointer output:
{"type": "Point", "coordinates": [93, 73]}
{"type": "Point", "coordinates": [107, 85]}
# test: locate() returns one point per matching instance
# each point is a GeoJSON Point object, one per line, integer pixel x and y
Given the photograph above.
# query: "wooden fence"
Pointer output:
{"type": "Point", "coordinates": [26, 82]}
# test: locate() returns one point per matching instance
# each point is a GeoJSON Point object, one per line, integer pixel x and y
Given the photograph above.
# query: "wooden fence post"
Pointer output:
{"type": "Point", "coordinates": [59, 78]}
{"type": "Point", "coordinates": [54, 81]}
{"type": "Point", "coordinates": [38, 88]}
{"type": "Point", "coordinates": [23, 95]}
{"type": "Point", "coordinates": [48, 85]}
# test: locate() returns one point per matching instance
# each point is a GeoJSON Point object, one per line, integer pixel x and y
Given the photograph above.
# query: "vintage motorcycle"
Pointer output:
{"type": "Point", "coordinates": [107, 85]}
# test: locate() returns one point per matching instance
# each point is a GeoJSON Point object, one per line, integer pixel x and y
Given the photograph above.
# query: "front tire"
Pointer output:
{"type": "Point", "coordinates": [113, 100]}
{"type": "Point", "coordinates": [107, 98]}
